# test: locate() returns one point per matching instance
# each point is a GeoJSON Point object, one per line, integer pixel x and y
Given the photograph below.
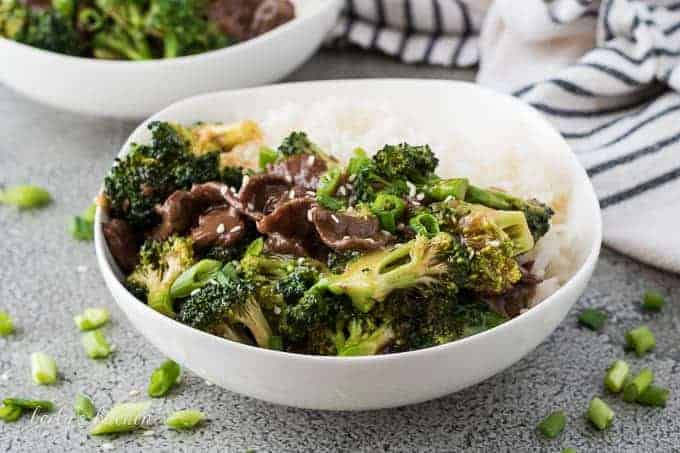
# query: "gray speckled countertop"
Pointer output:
{"type": "Point", "coordinates": [46, 277]}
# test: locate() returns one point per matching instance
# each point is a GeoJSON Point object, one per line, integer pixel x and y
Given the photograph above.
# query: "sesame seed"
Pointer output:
{"type": "Point", "coordinates": [346, 238]}
{"type": "Point", "coordinates": [277, 310]}
{"type": "Point", "coordinates": [289, 178]}
{"type": "Point", "coordinates": [309, 215]}
{"type": "Point", "coordinates": [342, 191]}
{"type": "Point", "coordinates": [420, 196]}
{"type": "Point", "coordinates": [233, 190]}
{"type": "Point", "coordinates": [235, 229]}
{"type": "Point", "coordinates": [251, 206]}
{"type": "Point", "coordinates": [352, 178]}
{"type": "Point", "coordinates": [310, 160]}
{"type": "Point", "coordinates": [246, 178]}
{"type": "Point", "coordinates": [224, 189]}
{"type": "Point", "coordinates": [335, 219]}
{"type": "Point", "coordinates": [448, 199]}
{"type": "Point", "coordinates": [291, 194]}
{"type": "Point", "coordinates": [385, 232]}
{"type": "Point", "coordinates": [220, 228]}
{"type": "Point", "coordinates": [411, 189]}
{"type": "Point", "coordinates": [415, 203]}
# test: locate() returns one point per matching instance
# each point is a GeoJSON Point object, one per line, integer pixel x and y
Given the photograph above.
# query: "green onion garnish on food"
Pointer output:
{"type": "Point", "coordinates": [163, 379]}
{"type": "Point", "coordinates": [599, 414]}
{"type": "Point", "coordinates": [6, 324]}
{"type": "Point", "coordinates": [91, 318]}
{"type": "Point", "coordinates": [641, 340]}
{"type": "Point", "coordinates": [654, 396]}
{"type": "Point", "coordinates": [83, 407]}
{"type": "Point", "coordinates": [592, 318]}
{"type": "Point", "coordinates": [122, 418]}
{"type": "Point", "coordinates": [185, 419]}
{"type": "Point", "coordinates": [95, 344]}
{"type": "Point", "coordinates": [638, 385]}
{"type": "Point", "coordinates": [10, 413]}
{"type": "Point", "coordinates": [43, 369]}
{"type": "Point", "coordinates": [653, 300]}
{"type": "Point", "coordinates": [553, 425]}
{"type": "Point", "coordinates": [25, 197]}
{"type": "Point", "coordinates": [266, 156]}
{"type": "Point", "coordinates": [616, 376]}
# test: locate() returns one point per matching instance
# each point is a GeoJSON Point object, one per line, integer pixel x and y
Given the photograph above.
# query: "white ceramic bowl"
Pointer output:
{"type": "Point", "coordinates": [388, 380]}
{"type": "Point", "coordinates": [136, 89]}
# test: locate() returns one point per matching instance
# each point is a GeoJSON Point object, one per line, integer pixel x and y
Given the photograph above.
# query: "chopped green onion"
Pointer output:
{"type": "Point", "coordinates": [653, 300]}
{"type": "Point", "coordinates": [332, 203]}
{"type": "Point", "coordinates": [10, 413]}
{"type": "Point", "coordinates": [64, 7]}
{"type": "Point", "coordinates": [592, 318]}
{"type": "Point", "coordinates": [43, 368]}
{"type": "Point", "coordinates": [616, 376]}
{"type": "Point", "coordinates": [83, 407]}
{"type": "Point", "coordinates": [445, 188]}
{"type": "Point", "coordinates": [185, 419]}
{"type": "Point", "coordinates": [122, 418]}
{"type": "Point", "coordinates": [29, 404]}
{"type": "Point", "coordinates": [599, 414]}
{"type": "Point", "coordinates": [654, 396]}
{"type": "Point", "coordinates": [267, 156]}
{"type": "Point", "coordinates": [641, 340]}
{"type": "Point", "coordinates": [553, 425]}
{"type": "Point", "coordinates": [92, 318]}
{"type": "Point", "coordinates": [95, 344]}
{"type": "Point", "coordinates": [638, 385]}
{"type": "Point", "coordinates": [197, 276]}
{"type": "Point", "coordinates": [276, 343]}
{"type": "Point", "coordinates": [82, 226]}
{"type": "Point", "coordinates": [388, 209]}
{"type": "Point", "coordinates": [6, 324]}
{"type": "Point", "coordinates": [329, 182]}
{"type": "Point", "coordinates": [90, 20]}
{"type": "Point", "coordinates": [25, 197]}
{"type": "Point", "coordinates": [425, 224]}
{"type": "Point", "coordinates": [163, 378]}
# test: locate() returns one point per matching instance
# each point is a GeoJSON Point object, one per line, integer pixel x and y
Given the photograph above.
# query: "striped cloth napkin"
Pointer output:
{"type": "Point", "coordinates": [602, 71]}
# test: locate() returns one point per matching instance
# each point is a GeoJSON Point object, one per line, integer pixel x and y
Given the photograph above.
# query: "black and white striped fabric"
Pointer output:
{"type": "Point", "coordinates": [604, 72]}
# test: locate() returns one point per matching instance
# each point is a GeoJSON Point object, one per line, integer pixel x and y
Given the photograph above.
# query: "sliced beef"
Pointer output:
{"type": "Point", "coordinates": [123, 243]}
{"type": "Point", "coordinates": [343, 232]}
{"type": "Point", "coordinates": [181, 209]}
{"type": "Point", "coordinates": [271, 14]}
{"type": "Point", "coordinates": [511, 303]}
{"type": "Point", "coordinates": [222, 226]}
{"type": "Point", "coordinates": [302, 170]}
{"type": "Point", "coordinates": [234, 17]}
{"type": "Point", "coordinates": [259, 195]}
{"type": "Point", "coordinates": [286, 246]}
{"type": "Point", "coordinates": [177, 213]}
{"type": "Point", "coordinates": [289, 219]}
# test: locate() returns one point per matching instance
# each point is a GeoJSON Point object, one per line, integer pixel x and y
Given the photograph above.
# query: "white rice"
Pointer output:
{"type": "Point", "coordinates": [339, 126]}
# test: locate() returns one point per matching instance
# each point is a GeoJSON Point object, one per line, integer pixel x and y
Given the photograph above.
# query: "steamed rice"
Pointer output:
{"type": "Point", "coordinates": [339, 126]}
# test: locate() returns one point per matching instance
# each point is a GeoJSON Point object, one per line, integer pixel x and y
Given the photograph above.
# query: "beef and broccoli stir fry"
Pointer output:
{"type": "Point", "coordinates": [139, 29]}
{"type": "Point", "coordinates": [301, 253]}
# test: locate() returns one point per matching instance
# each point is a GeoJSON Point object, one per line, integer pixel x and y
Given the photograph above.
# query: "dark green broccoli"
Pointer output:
{"type": "Point", "coordinates": [317, 311]}
{"type": "Point", "coordinates": [160, 263]}
{"type": "Point", "coordinates": [150, 173]}
{"type": "Point", "coordinates": [223, 305]}
{"type": "Point", "coordinates": [406, 162]}
{"type": "Point", "coordinates": [299, 143]}
{"type": "Point", "coordinates": [364, 337]}
{"type": "Point", "coordinates": [124, 35]}
{"type": "Point", "coordinates": [366, 180]}
{"type": "Point", "coordinates": [289, 277]}
{"type": "Point", "coordinates": [44, 29]}
{"type": "Point", "coordinates": [537, 214]}
{"type": "Point", "coordinates": [182, 27]}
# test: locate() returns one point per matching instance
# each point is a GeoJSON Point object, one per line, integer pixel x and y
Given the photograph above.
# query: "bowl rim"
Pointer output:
{"type": "Point", "coordinates": [319, 8]}
{"type": "Point", "coordinates": [105, 266]}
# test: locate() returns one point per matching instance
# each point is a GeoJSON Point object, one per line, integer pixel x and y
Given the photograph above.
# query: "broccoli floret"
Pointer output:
{"type": "Point", "coordinates": [182, 27]}
{"type": "Point", "coordinates": [150, 173]}
{"type": "Point", "coordinates": [298, 143]}
{"type": "Point", "coordinates": [366, 180]}
{"type": "Point", "coordinates": [492, 266]}
{"type": "Point", "coordinates": [159, 266]}
{"type": "Point", "coordinates": [537, 214]}
{"type": "Point", "coordinates": [289, 277]}
{"type": "Point", "coordinates": [125, 37]}
{"type": "Point", "coordinates": [228, 299]}
{"type": "Point", "coordinates": [372, 277]}
{"type": "Point", "coordinates": [365, 337]}
{"type": "Point", "coordinates": [45, 29]}
{"type": "Point", "coordinates": [407, 162]}
{"type": "Point", "coordinates": [317, 310]}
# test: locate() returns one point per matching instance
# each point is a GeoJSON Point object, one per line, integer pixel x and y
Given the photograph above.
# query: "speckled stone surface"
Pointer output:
{"type": "Point", "coordinates": [46, 277]}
